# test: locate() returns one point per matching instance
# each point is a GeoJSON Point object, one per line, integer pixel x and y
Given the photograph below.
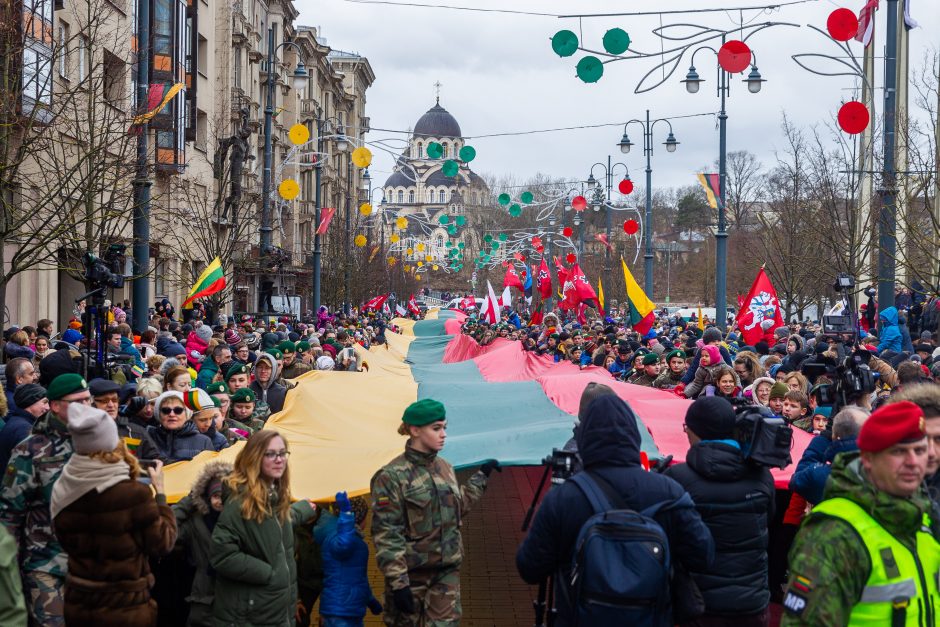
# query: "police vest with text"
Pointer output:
{"type": "Point", "coordinates": [902, 588]}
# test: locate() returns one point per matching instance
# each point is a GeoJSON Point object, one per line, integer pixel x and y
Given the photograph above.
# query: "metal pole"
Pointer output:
{"type": "Point", "coordinates": [266, 180]}
{"type": "Point", "coordinates": [347, 306]}
{"type": "Point", "coordinates": [648, 221]}
{"type": "Point", "coordinates": [607, 218]}
{"type": "Point", "coordinates": [668, 272]}
{"type": "Point", "coordinates": [887, 222]}
{"type": "Point", "coordinates": [141, 184]}
{"type": "Point", "coordinates": [316, 221]}
{"type": "Point", "coordinates": [721, 237]}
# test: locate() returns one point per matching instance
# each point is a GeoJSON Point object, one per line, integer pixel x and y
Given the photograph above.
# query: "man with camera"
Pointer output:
{"type": "Point", "coordinates": [735, 498]}
{"type": "Point", "coordinates": [608, 441]}
{"type": "Point", "coordinates": [864, 556]}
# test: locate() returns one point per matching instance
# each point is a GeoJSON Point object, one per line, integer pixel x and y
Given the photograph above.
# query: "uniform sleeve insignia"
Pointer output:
{"type": "Point", "coordinates": [382, 502]}
{"type": "Point", "coordinates": [801, 584]}
{"type": "Point", "coordinates": [794, 604]}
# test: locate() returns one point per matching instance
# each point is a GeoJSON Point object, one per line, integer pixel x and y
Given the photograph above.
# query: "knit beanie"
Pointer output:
{"type": "Point", "coordinates": [159, 401]}
{"type": "Point", "coordinates": [711, 418]}
{"type": "Point", "coordinates": [204, 333]}
{"type": "Point", "coordinates": [232, 337]}
{"type": "Point", "coordinates": [25, 395]}
{"type": "Point", "coordinates": [779, 390]}
{"type": "Point", "coordinates": [711, 334]}
{"type": "Point", "coordinates": [714, 355]}
{"type": "Point", "coordinates": [92, 429]}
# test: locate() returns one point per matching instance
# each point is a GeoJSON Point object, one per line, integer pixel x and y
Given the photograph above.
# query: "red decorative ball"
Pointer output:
{"type": "Point", "coordinates": [734, 56]}
{"type": "Point", "coordinates": [626, 186]}
{"type": "Point", "coordinates": [567, 231]}
{"type": "Point", "coordinates": [579, 203]}
{"type": "Point", "coordinates": [540, 248]}
{"type": "Point", "coordinates": [536, 240]}
{"type": "Point", "coordinates": [571, 257]}
{"type": "Point", "coordinates": [630, 227]}
{"type": "Point", "coordinates": [842, 24]}
{"type": "Point", "coordinates": [853, 117]}
{"type": "Point", "coordinates": [505, 264]}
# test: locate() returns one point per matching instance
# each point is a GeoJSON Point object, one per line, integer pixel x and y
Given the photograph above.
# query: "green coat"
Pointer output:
{"type": "Point", "coordinates": [256, 575]}
{"type": "Point", "coordinates": [12, 601]}
{"type": "Point", "coordinates": [829, 565]}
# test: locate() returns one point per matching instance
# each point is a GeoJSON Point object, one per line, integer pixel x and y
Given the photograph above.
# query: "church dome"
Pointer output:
{"type": "Point", "coordinates": [437, 122]}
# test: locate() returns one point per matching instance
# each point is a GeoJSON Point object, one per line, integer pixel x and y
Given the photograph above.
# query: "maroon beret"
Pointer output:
{"type": "Point", "coordinates": [892, 424]}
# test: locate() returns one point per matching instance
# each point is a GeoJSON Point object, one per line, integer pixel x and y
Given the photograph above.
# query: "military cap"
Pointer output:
{"type": "Point", "coordinates": [674, 353]}
{"type": "Point", "coordinates": [218, 387]}
{"type": "Point", "coordinates": [303, 346]}
{"type": "Point", "coordinates": [287, 347]}
{"type": "Point", "coordinates": [650, 358]}
{"type": "Point", "coordinates": [892, 424]}
{"type": "Point", "coordinates": [65, 384]}
{"type": "Point", "coordinates": [274, 352]}
{"type": "Point", "coordinates": [423, 412]}
{"type": "Point", "coordinates": [237, 369]}
{"type": "Point", "coordinates": [243, 395]}
{"type": "Point", "coordinates": [100, 387]}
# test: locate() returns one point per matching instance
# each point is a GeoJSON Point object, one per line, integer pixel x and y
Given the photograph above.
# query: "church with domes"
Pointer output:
{"type": "Point", "coordinates": [419, 188]}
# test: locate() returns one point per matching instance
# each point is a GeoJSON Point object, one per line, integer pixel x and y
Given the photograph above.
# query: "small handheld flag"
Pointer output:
{"type": "Point", "coordinates": [211, 281]}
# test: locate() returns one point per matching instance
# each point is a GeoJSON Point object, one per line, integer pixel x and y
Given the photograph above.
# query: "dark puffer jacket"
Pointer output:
{"type": "Point", "coordinates": [346, 590]}
{"type": "Point", "coordinates": [736, 500]}
{"type": "Point", "coordinates": [609, 444]}
{"type": "Point", "coordinates": [174, 446]}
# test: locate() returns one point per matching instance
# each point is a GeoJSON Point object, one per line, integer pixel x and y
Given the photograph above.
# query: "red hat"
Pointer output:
{"type": "Point", "coordinates": [891, 424]}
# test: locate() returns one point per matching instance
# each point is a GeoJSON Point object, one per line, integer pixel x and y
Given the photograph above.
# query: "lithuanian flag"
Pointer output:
{"type": "Point", "coordinates": [158, 96]}
{"type": "Point", "coordinates": [211, 280]}
{"type": "Point", "coordinates": [641, 308]}
{"type": "Point", "coordinates": [711, 183]}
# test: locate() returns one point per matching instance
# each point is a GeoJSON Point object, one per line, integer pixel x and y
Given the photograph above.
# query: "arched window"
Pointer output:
{"type": "Point", "coordinates": [446, 150]}
{"type": "Point", "coordinates": [476, 198]}
{"type": "Point", "coordinates": [411, 197]}
{"type": "Point", "coordinates": [440, 242]}
{"type": "Point", "coordinates": [430, 195]}
{"type": "Point", "coordinates": [442, 196]}
{"type": "Point", "coordinates": [420, 150]}
{"type": "Point", "coordinates": [401, 197]}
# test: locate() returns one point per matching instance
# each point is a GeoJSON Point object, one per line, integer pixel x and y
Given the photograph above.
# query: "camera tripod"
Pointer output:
{"type": "Point", "coordinates": [93, 326]}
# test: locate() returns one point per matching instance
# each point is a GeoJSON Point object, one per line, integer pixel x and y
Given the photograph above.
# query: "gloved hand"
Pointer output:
{"type": "Point", "coordinates": [489, 466]}
{"type": "Point", "coordinates": [375, 607]}
{"type": "Point", "coordinates": [404, 600]}
{"type": "Point", "coordinates": [342, 502]}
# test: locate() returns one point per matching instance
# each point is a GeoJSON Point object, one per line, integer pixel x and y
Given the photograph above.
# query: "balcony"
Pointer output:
{"type": "Point", "coordinates": [239, 31]}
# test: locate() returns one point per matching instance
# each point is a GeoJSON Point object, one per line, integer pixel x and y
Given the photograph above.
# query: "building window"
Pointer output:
{"type": "Point", "coordinates": [430, 195]}
{"type": "Point", "coordinates": [115, 82]}
{"type": "Point", "coordinates": [440, 242]}
{"type": "Point", "coordinates": [82, 61]}
{"type": "Point", "coordinates": [159, 272]}
{"type": "Point", "coordinates": [238, 67]}
{"type": "Point", "coordinates": [446, 150]}
{"type": "Point", "coordinates": [420, 150]}
{"type": "Point", "coordinates": [63, 50]}
{"type": "Point", "coordinates": [442, 196]}
{"type": "Point", "coordinates": [202, 122]}
{"type": "Point", "coordinates": [411, 197]}
{"type": "Point", "coordinates": [401, 197]}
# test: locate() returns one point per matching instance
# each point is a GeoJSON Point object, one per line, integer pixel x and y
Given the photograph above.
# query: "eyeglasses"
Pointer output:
{"type": "Point", "coordinates": [172, 410]}
{"type": "Point", "coordinates": [272, 455]}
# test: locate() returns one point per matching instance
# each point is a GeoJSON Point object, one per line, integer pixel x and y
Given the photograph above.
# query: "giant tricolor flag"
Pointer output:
{"type": "Point", "coordinates": [759, 305]}
{"type": "Point", "coordinates": [211, 281]}
{"type": "Point", "coordinates": [641, 307]}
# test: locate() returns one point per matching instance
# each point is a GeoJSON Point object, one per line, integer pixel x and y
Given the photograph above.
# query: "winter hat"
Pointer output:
{"type": "Point", "coordinates": [214, 487]}
{"type": "Point", "coordinates": [325, 362]}
{"type": "Point", "coordinates": [714, 355]}
{"type": "Point", "coordinates": [159, 400]}
{"type": "Point", "coordinates": [28, 394]}
{"type": "Point", "coordinates": [204, 333]}
{"type": "Point", "coordinates": [711, 418]}
{"type": "Point", "coordinates": [232, 337]}
{"type": "Point", "coordinates": [781, 332]}
{"type": "Point", "coordinates": [72, 336]}
{"type": "Point", "coordinates": [779, 390]}
{"type": "Point", "coordinates": [92, 429]}
{"type": "Point", "coordinates": [198, 399]}
{"type": "Point", "coordinates": [710, 335]}
{"type": "Point", "coordinates": [927, 336]}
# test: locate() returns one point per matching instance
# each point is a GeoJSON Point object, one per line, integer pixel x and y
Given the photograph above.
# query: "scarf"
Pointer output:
{"type": "Point", "coordinates": [82, 474]}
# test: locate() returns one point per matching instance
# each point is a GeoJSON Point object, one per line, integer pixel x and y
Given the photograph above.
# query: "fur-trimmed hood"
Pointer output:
{"type": "Point", "coordinates": [213, 470]}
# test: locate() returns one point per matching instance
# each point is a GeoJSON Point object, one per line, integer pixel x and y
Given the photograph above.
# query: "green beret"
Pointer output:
{"type": "Point", "coordinates": [218, 387]}
{"type": "Point", "coordinates": [674, 353]}
{"type": "Point", "coordinates": [287, 347]}
{"type": "Point", "coordinates": [65, 384]}
{"type": "Point", "coordinates": [243, 395]}
{"type": "Point", "coordinates": [303, 346]}
{"type": "Point", "coordinates": [650, 358]}
{"type": "Point", "coordinates": [423, 412]}
{"type": "Point", "coordinates": [779, 390]}
{"type": "Point", "coordinates": [273, 352]}
{"type": "Point", "coordinates": [237, 369]}
{"type": "Point", "coordinates": [554, 336]}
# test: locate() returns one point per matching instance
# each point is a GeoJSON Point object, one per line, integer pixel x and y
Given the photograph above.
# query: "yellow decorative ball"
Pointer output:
{"type": "Point", "coordinates": [360, 241]}
{"type": "Point", "coordinates": [365, 209]}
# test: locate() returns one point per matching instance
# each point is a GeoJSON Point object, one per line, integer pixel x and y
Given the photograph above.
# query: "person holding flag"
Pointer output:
{"type": "Point", "coordinates": [211, 281]}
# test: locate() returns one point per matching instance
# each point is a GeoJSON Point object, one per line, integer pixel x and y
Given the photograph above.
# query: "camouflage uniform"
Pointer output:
{"type": "Point", "coordinates": [294, 370]}
{"type": "Point", "coordinates": [417, 507]}
{"type": "Point", "coordinates": [34, 467]}
{"type": "Point", "coordinates": [643, 380]}
{"type": "Point", "coordinates": [829, 564]}
{"type": "Point", "coordinates": [667, 379]}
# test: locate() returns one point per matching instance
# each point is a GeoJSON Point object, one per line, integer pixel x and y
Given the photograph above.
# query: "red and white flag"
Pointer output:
{"type": "Point", "coordinates": [467, 302]}
{"type": "Point", "coordinates": [866, 22]}
{"type": "Point", "coordinates": [760, 305]}
{"type": "Point", "coordinates": [512, 278]}
{"type": "Point", "coordinates": [562, 272]}
{"type": "Point", "coordinates": [376, 302]}
{"type": "Point", "coordinates": [401, 311]}
{"type": "Point", "coordinates": [413, 306]}
{"type": "Point", "coordinates": [489, 310]}
{"type": "Point", "coordinates": [544, 282]}
{"type": "Point", "coordinates": [506, 299]}
{"type": "Point", "coordinates": [325, 216]}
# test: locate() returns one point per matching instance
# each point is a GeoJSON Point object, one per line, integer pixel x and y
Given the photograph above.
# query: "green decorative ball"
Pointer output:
{"type": "Point", "coordinates": [565, 43]}
{"type": "Point", "coordinates": [515, 211]}
{"type": "Point", "coordinates": [504, 199]}
{"type": "Point", "coordinates": [616, 41]}
{"type": "Point", "coordinates": [435, 150]}
{"type": "Point", "coordinates": [590, 69]}
{"type": "Point", "coordinates": [467, 154]}
{"type": "Point", "coordinates": [526, 197]}
{"type": "Point", "coordinates": [450, 168]}
{"type": "Point", "coordinates": [443, 219]}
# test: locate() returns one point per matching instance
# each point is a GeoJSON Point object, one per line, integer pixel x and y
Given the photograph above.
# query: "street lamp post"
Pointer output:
{"type": "Point", "coordinates": [671, 144]}
{"type": "Point", "coordinates": [141, 183]}
{"type": "Point", "coordinates": [668, 271]}
{"type": "Point", "coordinates": [592, 184]}
{"type": "Point", "coordinates": [331, 125]}
{"type": "Point", "coordinates": [299, 81]}
{"type": "Point", "coordinates": [692, 82]}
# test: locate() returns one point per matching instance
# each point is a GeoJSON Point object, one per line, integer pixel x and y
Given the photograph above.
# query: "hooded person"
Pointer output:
{"type": "Point", "coordinates": [196, 515]}
{"type": "Point", "coordinates": [109, 524]}
{"type": "Point", "coordinates": [176, 438]}
{"type": "Point", "coordinates": [265, 386]}
{"type": "Point", "coordinates": [890, 334]}
{"type": "Point", "coordinates": [609, 445]}
{"type": "Point", "coordinates": [736, 501]}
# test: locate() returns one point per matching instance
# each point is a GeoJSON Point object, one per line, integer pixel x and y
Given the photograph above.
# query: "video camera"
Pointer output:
{"type": "Point", "coordinates": [107, 272]}
{"type": "Point", "coordinates": [563, 464]}
{"type": "Point", "coordinates": [765, 439]}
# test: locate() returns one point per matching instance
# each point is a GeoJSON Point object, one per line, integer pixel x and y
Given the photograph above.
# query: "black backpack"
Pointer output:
{"type": "Point", "coordinates": [621, 566]}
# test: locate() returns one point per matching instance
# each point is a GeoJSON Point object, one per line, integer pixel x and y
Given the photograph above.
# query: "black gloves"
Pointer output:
{"type": "Point", "coordinates": [375, 607]}
{"type": "Point", "coordinates": [404, 600]}
{"type": "Point", "coordinates": [489, 466]}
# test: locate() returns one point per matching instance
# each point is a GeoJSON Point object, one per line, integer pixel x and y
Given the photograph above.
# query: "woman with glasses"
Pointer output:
{"type": "Point", "coordinates": [176, 437]}
{"type": "Point", "coordinates": [252, 550]}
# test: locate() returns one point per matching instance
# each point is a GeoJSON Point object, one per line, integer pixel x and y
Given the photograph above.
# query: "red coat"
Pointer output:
{"type": "Point", "coordinates": [109, 538]}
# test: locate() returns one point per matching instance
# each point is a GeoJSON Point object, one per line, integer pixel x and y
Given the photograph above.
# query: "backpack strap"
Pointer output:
{"type": "Point", "coordinates": [592, 491]}
{"type": "Point", "coordinates": [683, 501]}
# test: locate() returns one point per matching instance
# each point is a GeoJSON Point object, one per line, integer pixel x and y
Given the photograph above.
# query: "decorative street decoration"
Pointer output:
{"type": "Point", "coordinates": [625, 186]}
{"type": "Point", "coordinates": [853, 117]}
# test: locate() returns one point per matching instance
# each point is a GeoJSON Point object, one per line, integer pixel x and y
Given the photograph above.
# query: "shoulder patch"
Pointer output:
{"type": "Point", "coordinates": [382, 502]}
{"type": "Point", "coordinates": [794, 604]}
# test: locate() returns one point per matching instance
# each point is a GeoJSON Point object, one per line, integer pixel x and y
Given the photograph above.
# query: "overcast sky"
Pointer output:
{"type": "Point", "coordinates": [500, 75]}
